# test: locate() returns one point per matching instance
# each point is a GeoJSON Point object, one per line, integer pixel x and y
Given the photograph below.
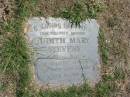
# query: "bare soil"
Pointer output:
{"type": "Point", "coordinates": [53, 7]}
{"type": "Point", "coordinates": [6, 12]}
{"type": "Point", "coordinates": [115, 22]}
{"type": "Point", "coordinates": [6, 9]}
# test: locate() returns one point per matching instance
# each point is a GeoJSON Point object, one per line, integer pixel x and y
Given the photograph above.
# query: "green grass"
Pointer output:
{"type": "Point", "coordinates": [2, 87]}
{"type": "Point", "coordinates": [105, 89]}
{"type": "Point", "coordinates": [15, 57]}
{"type": "Point", "coordinates": [103, 48]}
{"type": "Point", "coordinates": [15, 52]}
{"type": "Point", "coordinates": [73, 91]}
{"type": "Point", "coordinates": [80, 11]}
{"type": "Point", "coordinates": [119, 73]}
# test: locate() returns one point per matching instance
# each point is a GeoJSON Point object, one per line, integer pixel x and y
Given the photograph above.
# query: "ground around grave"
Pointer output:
{"type": "Point", "coordinates": [114, 40]}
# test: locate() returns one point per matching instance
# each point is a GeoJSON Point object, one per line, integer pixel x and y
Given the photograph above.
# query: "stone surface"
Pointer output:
{"type": "Point", "coordinates": [64, 54]}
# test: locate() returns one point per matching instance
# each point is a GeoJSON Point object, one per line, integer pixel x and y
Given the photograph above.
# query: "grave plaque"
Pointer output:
{"type": "Point", "coordinates": [64, 54]}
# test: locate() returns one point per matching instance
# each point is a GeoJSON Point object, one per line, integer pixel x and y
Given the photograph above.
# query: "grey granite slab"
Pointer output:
{"type": "Point", "coordinates": [64, 54]}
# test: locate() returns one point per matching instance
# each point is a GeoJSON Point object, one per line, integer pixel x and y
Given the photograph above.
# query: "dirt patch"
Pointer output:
{"type": "Point", "coordinates": [53, 7]}
{"type": "Point", "coordinates": [115, 22]}
{"type": "Point", "coordinates": [6, 9]}
{"type": "Point", "coordinates": [7, 85]}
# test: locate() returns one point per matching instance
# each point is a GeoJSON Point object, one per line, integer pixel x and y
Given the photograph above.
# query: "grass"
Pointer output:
{"type": "Point", "coordinates": [73, 91]}
{"type": "Point", "coordinates": [119, 73]}
{"type": "Point", "coordinates": [2, 87]}
{"type": "Point", "coordinates": [15, 57]}
{"type": "Point", "coordinates": [106, 89]}
{"type": "Point", "coordinates": [15, 52]}
{"type": "Point", "coordinates": [103, 48]}
{"type": "Point", "coordinates": [81, 11]}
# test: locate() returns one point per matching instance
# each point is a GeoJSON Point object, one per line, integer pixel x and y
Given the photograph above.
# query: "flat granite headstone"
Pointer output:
{"type": "Point", "coordinates": [64, 54]}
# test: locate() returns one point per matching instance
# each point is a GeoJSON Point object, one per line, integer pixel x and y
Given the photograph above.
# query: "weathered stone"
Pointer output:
{"type": "Point", "coordinates": [64, 54]}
